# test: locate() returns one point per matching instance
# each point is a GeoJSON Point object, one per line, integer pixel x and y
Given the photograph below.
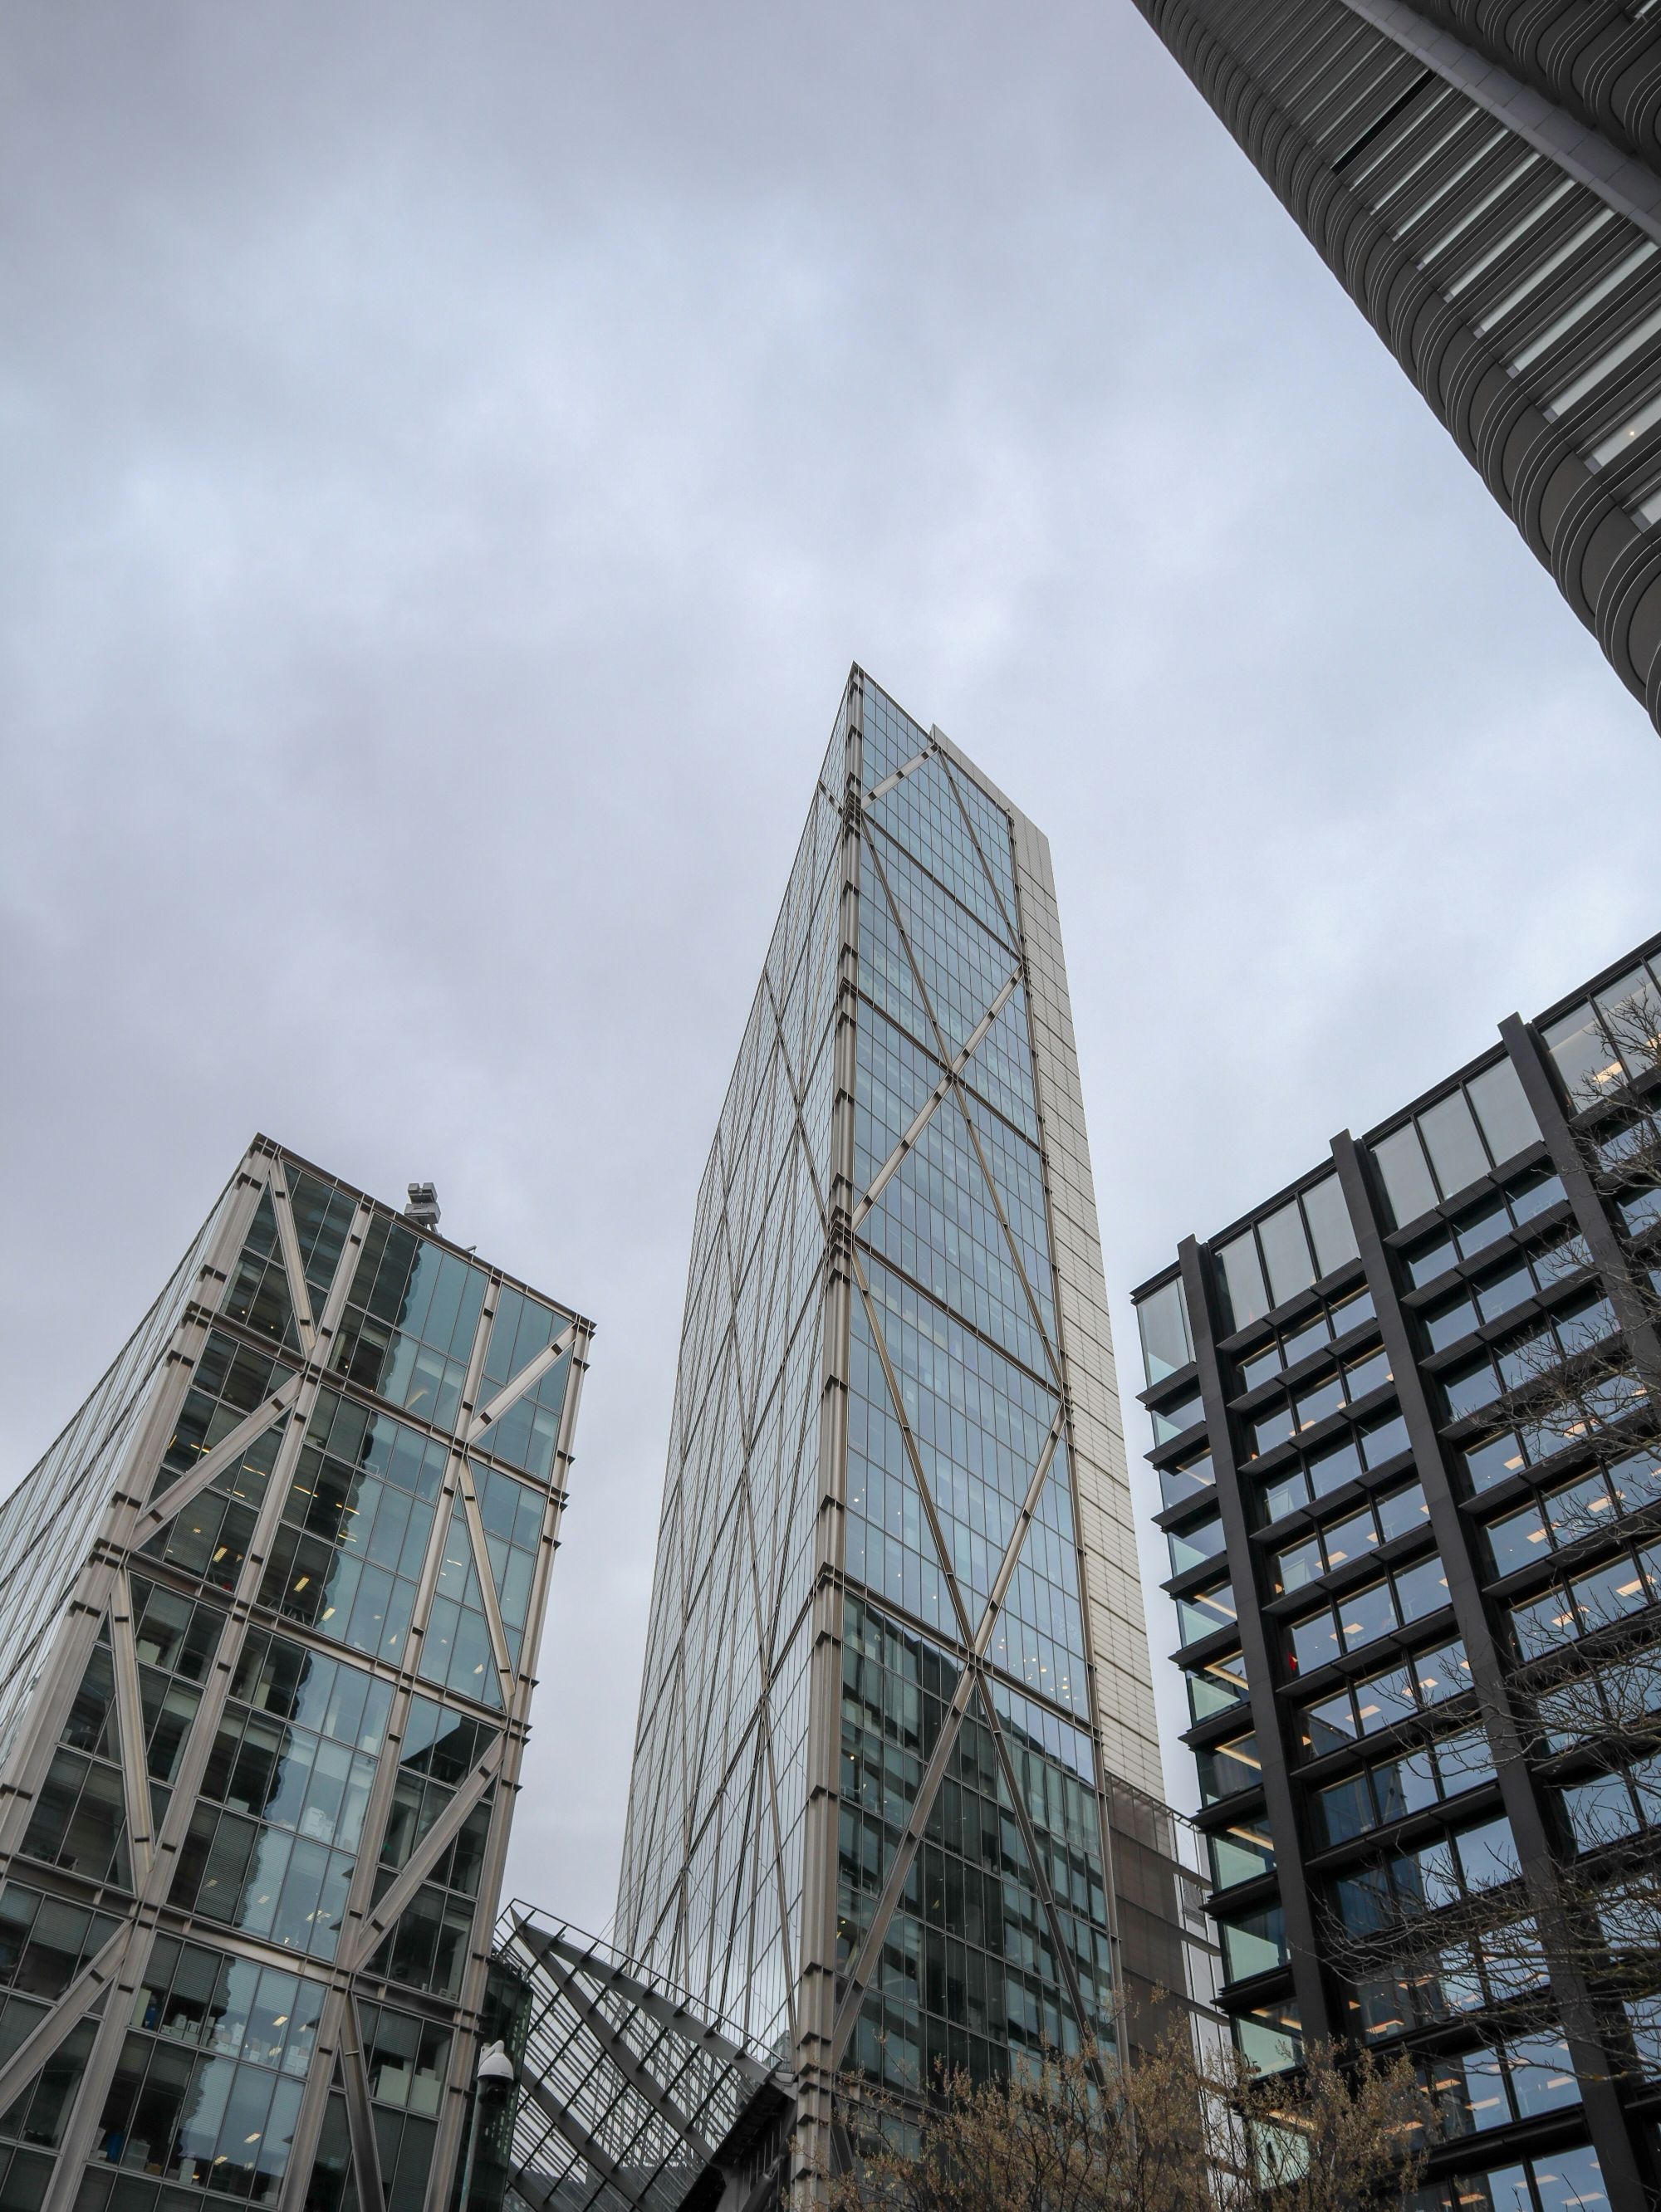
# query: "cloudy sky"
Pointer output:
{"type": "Point", "coordinates": [453, 456]}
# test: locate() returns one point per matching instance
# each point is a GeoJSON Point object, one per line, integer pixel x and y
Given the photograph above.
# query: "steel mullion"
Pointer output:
{"type": "Point", "coordinates": [1051, 1352]}
{"type": "Point", "coordinates": [925, 1114]}
{"type": "Point", "coordinates": [469, 2002]}
{"type": "Point", "coordinates": [1010, 922]}
{"type": "Point", "coordinates": [526, 1379]}
{"type": "Point", "coordinates": [320, 2083]}
{"type": "Point", "coordinates": [928, 1789]}
{"type": "Point", "coordinates": [293, 1267]}
{"type": "Point", "coordinates": [473, 1520]}
{"type": "Point", "coordinates": [1011, 1558]}
{"type": "Point", "coordinates": [814, 1965]}
{"type": "Point", "coordinates": [797, 1094]}
{"type": "Point", "coordinates": [79, 2135]}
{"type": "Point", "coordinates": [63, 2016]}
{"type": "Point", "coordinates": [360, 2111]}
{"type": "Point", "coordinates": [354, 1954]}
{"type": "Point", "coordinates": [1064, 1958]}
{"type": "Point", "coordinates": [900, 1870]}
{"type": "Point", "coordinates": [1528, 1057]}
{"type": "Point", "coordinates": [897, 776]}
{"type": "Point", "coordinates": [130, 1734]}
{"type": "Point", "coordinates": [208, 1469]}
{"type": "Point", "coordinates": [967, 1634]}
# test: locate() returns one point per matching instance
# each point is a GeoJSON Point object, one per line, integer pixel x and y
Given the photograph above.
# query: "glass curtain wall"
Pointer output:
{"type": "Point", "coordinates": [866, 1822]}
{"type": "Point", "coordinates": [256, 1796]}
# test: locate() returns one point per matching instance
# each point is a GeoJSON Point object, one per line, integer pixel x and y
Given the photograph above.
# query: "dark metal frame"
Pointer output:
{"type": "Point", "coordinates": [1619, 2119]}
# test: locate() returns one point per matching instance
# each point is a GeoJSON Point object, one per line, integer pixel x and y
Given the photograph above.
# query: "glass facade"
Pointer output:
{"type": "Point", "coordinates": [269, 1608]}
{"type": "Point", "coordinates": [896, 1666]}
{"type": "Point", "coordinates": [1419, 1597]}
{"type": "Point", "coordinates": [1486, 181]}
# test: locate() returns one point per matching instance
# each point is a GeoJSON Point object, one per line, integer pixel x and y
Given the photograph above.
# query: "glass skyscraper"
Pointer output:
{"type": "Point", "coordinates": [1484, 180]}
{"type": "Point", "coordinates": [269, 1616]}
{"type": "Point", "coordinates": [1405, 1428]}
{"type": "Point", "coordinates": [896, 1784]}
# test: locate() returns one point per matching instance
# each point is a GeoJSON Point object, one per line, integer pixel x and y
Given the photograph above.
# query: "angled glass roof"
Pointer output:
{"type": "Point", "coordinates": [629, 2097]}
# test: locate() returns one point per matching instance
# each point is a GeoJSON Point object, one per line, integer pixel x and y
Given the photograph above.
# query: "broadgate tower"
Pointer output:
{"type": "Point", "coordinates": [895, 1802]}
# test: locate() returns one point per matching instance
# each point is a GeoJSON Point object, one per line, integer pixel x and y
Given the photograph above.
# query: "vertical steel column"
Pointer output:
{"type": "Point", "coordinates": [816, 1965]}
{"type": "Point", "coordinates": [1262, 1669]}
{"type": "Point", "coordinates": [1529, 1057]}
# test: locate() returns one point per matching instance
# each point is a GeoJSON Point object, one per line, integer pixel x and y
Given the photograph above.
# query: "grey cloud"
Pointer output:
{"type": "Point", "coordinates": [453, 457]}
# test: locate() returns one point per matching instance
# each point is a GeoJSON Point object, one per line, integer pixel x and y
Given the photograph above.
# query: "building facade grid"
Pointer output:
{"type": "Point", "coordinates": [1366, 1524]}
{"type": "Point", "coordinates": [273, 1601]}
{"type": "Point", "coordinates": [895, 1673]}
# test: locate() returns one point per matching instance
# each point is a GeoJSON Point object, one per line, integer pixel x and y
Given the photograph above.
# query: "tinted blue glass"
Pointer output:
{"type": "Point", "coordinates": [892, 737]}
{"type": "Point", "coordinates": [921, 813]}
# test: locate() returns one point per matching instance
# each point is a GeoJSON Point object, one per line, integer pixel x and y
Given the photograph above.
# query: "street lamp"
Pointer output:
{"type": "Point", "coordinates": [496, 2070]}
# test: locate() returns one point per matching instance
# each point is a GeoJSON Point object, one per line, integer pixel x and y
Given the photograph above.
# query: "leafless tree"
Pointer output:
{"type": "Point", "coordinates": [1173, 2132]}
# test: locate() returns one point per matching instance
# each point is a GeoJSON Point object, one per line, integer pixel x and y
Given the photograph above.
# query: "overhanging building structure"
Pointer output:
{"type": "Point", "coordinates": [1405, 1433]}
{"type": "Point", "coordinates": [1484, 178]}
{"type": "Point", "coordinates": [896, 1800]}
{"type": "Point", "coordinates": [269, 1616]}
{"type": "Point", "coordinates": [629, 2100]}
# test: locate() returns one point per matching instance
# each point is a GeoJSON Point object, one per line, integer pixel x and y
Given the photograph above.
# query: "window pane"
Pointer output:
{"type": "Point", "coordinates": [1366, 1615]}
{"type": "Point", "coordinates": [1163, 1321]}
{"type": "Point", "coordinates": [1189, 1546]}
{"type": "Point", "coordinates": [1334, 1468]}
{"type": "Point", "coordinates": [1384, 1699]}
{"type": "Point", "coordinates": [1456, 1149]}
{"type": "Point", "coordinates": [1571, 2181]}
{"type": "Point", "coordinates": [1495, 1460]}
{"type": "Point", "coordinates": [1518, 1540]}
{"type": "Point", "coordinates": [1351, 1310]}
{"type": "Point", "coordinates": [1173, 1420]}
{"type": "Point", "coordinates": [1312, 1337]}
{"type": "Point", "coordinates": [1421, 1590]}
{"type": "Point", "coordinates": [1345, 1810]}
{"type": "Point", "coordinates": [1350, 1540]}
{"type": "Point", "coordinates": [1300, 1565]}
{"type": "Point", "coordinates": [1318, 1400]}
{"type": "Point", "coordinates": [1445, 1325]}
{"type": "Point", "coordinates": [1407, 1179]}
{"type": "Point", "coordinates": [1506, 1117]}
{"type": "Point", "coordinates": [1584, 1058]}
{"type": "Point", "coordinates": [1254, 1944]}
{"type": "Point", "coordinates": [1483, 1225]}
{"type": "Point", "coordinates": [1478, 1386]}
{"type": "Point", "coordinates": [1329, 1225]}
{"type": "Point", "coordinates": [1441, 1673]}
{"type": "Point", "coordinates": [1383, 1440]}
{"type": "Point", "coordinates": [1629, 1010]}
{"type": "Point", "coordinates": [1272, 1429]}
{"type": "Point", "coordinates": [1330, 1725]}
{"type": "Point", "coordinates": [1402, 1509]}
{"type": "Point", "coordinates": [1244, 1278]}
{"type": "Point", "coordinates": [1429, 1261]}
{"type": "Point", "coordinates": [1314, 1641]}
{"type": "Point", "coordinates": [1286, 1251]}
{"type": "Point", "coordinates": [1191, 1479]}
{"type": "Point", "coordinates": [1228, 1767]}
